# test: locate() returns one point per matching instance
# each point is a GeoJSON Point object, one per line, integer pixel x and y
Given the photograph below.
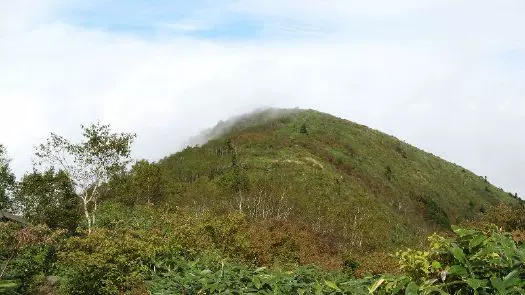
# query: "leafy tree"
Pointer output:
{"type": "Point", "coordinates": [7, 181]}
{"type": "Point", "coordinates": [89, 163]}
{"type": "Point", "coordinates": [49, 198]}
{"type": "Point", "coordinates": [146, 182]}
{"type": "Point", "coordinates": [141, 185]}
{"type": "Point", "coordinates": [303, 129]}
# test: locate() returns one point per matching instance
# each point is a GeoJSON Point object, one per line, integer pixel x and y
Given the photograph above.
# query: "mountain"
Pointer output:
{"type": "Point", "coordinates": [345, 181]}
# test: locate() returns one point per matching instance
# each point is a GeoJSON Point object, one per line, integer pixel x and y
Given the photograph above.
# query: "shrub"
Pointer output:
{"type": "Point", "coordinates": [291, 243]}
{"type": "Point", "coordinates": [106, 262]}
{"type": "Point", "coordinates": [508, 217]}
{"type": "Point", "coordinates": [27, 254]}
{"type": "Point", "coordinates": [375, 263]}
{"type": "Point", "coordinates": [303, 129]}
{"type": "Point", "coordinates": [475, 262]}
{"type": "Point", "coordinates": [434, 213]}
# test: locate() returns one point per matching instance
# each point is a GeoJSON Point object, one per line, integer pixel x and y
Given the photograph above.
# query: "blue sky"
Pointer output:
{"type": "Point", "coordinates": [445, 75]}
{"type": "Point", "coordinates": [227, 20]}
{"type": "Point", "coordinates": [164, 18]}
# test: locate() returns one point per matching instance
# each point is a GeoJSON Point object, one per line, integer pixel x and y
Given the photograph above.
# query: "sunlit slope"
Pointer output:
{"type": "Point", "coordinates": [364, 187]}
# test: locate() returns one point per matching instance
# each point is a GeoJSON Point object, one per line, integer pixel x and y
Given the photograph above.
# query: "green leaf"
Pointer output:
{"type": "Point", "coordinates": [376, 285]}
{"type": "Point", "coordinates": [458, 253]}
{"type": "Point", "coordinates": [512, 275]}
{"type": "Point", "coordinates": [476, 283]}
{"type": "Point", "coordinates": [412, 289]}
{"type": "Point", "coordinates": [462, 232]}
{"type": "Point", "coordinates": [457, 270]}
{"type": "Point", "coordinates": [436, 264]}
{"type": "Point", "coordinates": [497, 283]}
{"type": "Point", "coordinates": [332, 285]}
{"type": "Point", "coordinates": [476, 241]}
{"type": "Point", "coordinates": [512, 279]}
{"type": "Point", "coordinates": [432, 289]}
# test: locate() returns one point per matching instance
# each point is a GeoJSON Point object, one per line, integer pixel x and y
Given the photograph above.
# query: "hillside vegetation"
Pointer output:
{"type": "Point", "coordinates": [343, 179]}
{"type": "Point", "coordinates": [272, 202]}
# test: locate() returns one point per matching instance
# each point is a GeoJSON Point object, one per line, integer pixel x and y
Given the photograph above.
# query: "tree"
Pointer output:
{"type": "Point", "coordinates": [145, 183]}
{"type": "Point", "coordinates": [7, 181]}
{"type": "Point", "coordinates": [89, 163]}
{"type": "Point", "coordinates": [239, 182]}
{"type": "Point", "coordinates": [303, 129]}
{"type": "Point", "coordinates": [388, 173]}
{"type": "Point", "coordinates": [49, 198]}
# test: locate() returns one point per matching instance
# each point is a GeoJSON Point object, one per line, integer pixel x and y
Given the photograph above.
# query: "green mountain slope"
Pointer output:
{"type": "Point", "coordinates": [350, 183]}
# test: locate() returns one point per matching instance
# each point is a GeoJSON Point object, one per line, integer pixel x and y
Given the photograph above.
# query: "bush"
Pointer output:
{"type": "Point", "coordinates": [303, 129]}
{"type": "Point", "coordinates": [508, 217]}
{"type": "Point", "coordinates": [374, 263]}
{"type": "Point", "coordinates": [291, 243]}
{"type": "Point", "coordinates": [27, 255]}
{"type": "Point", "coordinates": [475, 262]}
{"type": "Point", "coordinates": [107, 262]}
{"type": "Point", "coordinates": [434, 213]}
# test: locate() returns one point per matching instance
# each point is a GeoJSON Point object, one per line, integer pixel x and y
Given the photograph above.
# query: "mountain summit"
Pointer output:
{"type": "Point", "coordinates": [341, 178]}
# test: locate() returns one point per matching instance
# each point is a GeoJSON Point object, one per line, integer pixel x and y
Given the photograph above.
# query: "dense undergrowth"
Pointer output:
{"type": "Point", "coordinates": [211, 256]}
{"type": "Point", "coordinates": [189, 253]}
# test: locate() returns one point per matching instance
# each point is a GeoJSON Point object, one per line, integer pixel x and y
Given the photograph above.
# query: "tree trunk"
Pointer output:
{"type": "Point", "coordinates": [240, 201]}
{"type": "Point", "coordinates": [93, 212]}
{"type": "Point", "coordinates": [6, 264]}
{"type": "Point", "coordinates": [86, 213]}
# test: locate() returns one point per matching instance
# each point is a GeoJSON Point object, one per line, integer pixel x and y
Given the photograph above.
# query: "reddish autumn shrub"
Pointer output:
{"type": "Point", "coordinates": [289, 242]}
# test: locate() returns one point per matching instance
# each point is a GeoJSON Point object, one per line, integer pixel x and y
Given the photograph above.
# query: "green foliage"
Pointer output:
{"type": "Point", "coordinates": [232, 235]}
{"type": "Point", "coordinates": [474, 262]}
{"type": "Point", "coordinates": [303, 129]}
{"type": "Point", "coordinates": [143, 184]}
{"type": "Point", "coordinates": [369, 190]}
{"type": "Point", "coordinates": [220, 277]}
{"type": "Point", "coordinates": [106, 262]}
{"type": "Point", "coordinates": [49, 198]}
{"type": "Point", "coordinates": [388, 173]}
{"type": "Point", "coordinates": [26, 255]}
{"type": "Point", "coordinates": [146, 183]}
{"type": "Point", "coordinates": [8, 287]}
{"type": "Point", "coordinates": [510, 218]}
{"type": "Point", "coordinates": [350, 265]}
{"type": "Point", "coordinates": [253, 209]}
{"type": "Point", "coordinates": [7, 181]}
{"type": "Point", "coordinates": [89, 163]}
{"type": "Point", "coordinates": [434, 213]}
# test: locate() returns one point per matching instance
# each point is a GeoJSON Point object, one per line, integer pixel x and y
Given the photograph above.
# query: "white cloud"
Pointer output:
{"type": "Point", "coordinates": [183, 26]}
{"type": "Point", "coordinates": [449, 95]}
{"type": "Point", "coordinates": [23, 14]}
{"type": "Point", "coordinates": [334, 9]}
